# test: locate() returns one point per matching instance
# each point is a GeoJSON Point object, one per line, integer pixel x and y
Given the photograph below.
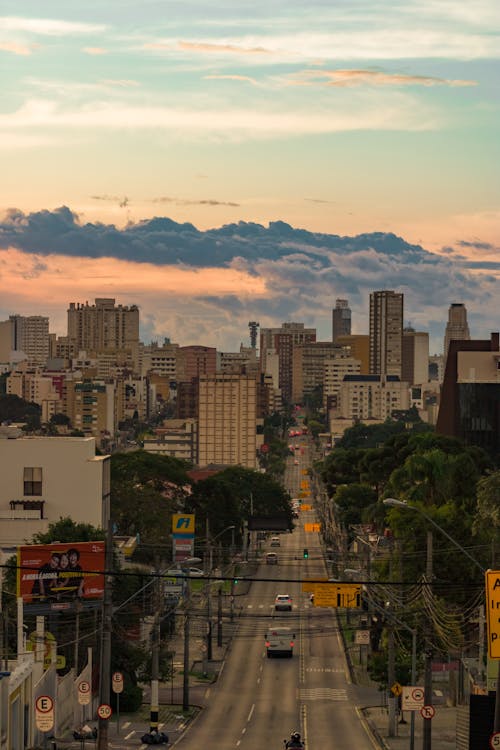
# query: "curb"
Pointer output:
{"type": "Point", "coordinates": [370, 726]}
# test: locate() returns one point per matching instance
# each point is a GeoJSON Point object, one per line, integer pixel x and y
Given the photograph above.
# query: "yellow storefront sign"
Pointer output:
{"type": "Point", "coordinates": [183, 523]}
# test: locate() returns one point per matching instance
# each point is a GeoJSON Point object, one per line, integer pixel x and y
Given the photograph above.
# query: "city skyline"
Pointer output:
{"type": "Point", "coordinates": [345, 120]}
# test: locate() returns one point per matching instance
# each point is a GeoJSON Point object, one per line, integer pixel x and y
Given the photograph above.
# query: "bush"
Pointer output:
{"type": "Point", "coordinates": [130, 699]}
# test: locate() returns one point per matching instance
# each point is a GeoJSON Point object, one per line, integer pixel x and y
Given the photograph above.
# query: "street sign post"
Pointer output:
{"type": "Point", "coordinates": [84, 693]}
{"type": "Point", "coordinates": [412, 698]}
{"type": "Point", "coordinates": [493, 612]}
{"type": "Point", "coordinates": [117, 685]}
{"type": "Point", "coordinates": [427, 712]}
{"type": "Point", "coordinates": [104, 711]}
{"type": "Point", "coordinates": [44, 713]}
{"type": "Point", "coordinates": [337, 595]}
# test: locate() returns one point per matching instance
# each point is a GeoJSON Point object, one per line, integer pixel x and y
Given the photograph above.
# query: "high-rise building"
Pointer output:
{"type": "Point", "coordinates": [359, 348]}
{"type": "Point", "coordinates": [372, 397]}
{"type": "Point", "coordinates": [386, 333]}
{"type": "Point", "coordinates": [457, 328]}
{"type": "Point", "coordinates": [341, 319]}
{"type": "Point", "coordinates": [194, 361]}
{"type": "Point", "coordinates": [415, 367]}
{"type": "Point", "coordinates": [104, 325]}
{"type": "Point", "coordinates": [470, 394]}
{"type": "Point", "coordinates": [31, 335]}
{"type": "Point", "coordinates": [282, 341]}
{"type": "Point", "coordinates": [309, 366]}
{"type": "Point", "coordinates": [227, 420]}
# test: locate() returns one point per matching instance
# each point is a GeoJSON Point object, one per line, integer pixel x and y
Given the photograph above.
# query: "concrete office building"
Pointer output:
{"type": "Point", "coordinates": [282, 341]}
{"type": "Point", "coordinates": [386, 333]}
{"type": "Point", "coordinates": [95, 406]}
{"type": "Point", "coordinates": [457, 328]}
{"type": "Point", "coordinates": [436, 367]}
{"type": "Point", "coordinates": [415, 367]}
{"type": "Point", "coordinates": [46, 478]}
{"type": "Point", "coordinates": [162, 360]}
{"type": "Point", "coordinates": [341, 319]}
{"type": "Point", "coordinates": [227, 420]}
{"type": "Point", "coordinates": [177, 438]}
{"type": "Point", "coordinates": [470, 394]}
{"type": "Point", "coordinates": [244, 362]}
{"type": "Point", "coordinates": [104, 326]}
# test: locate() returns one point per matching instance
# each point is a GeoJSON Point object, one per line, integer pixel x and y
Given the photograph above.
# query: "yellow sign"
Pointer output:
{"type": "Point", "coordinates": [493, 612]}
{"type": "Point", "coordinates": [304, 485]}
{"type": "Point", "coordinates": [337, 595]}
{"type": "Point", "coordinates": [304, 472]}
{"type": "Point", "coordinates": [308, 584]}
{"type": "Point", "coordinates": [312, 527]}
{"type": "Point", "coordinates": [396, 689]}
{"type": "Point", "coordinates": [305, 507]}
{"type": "Point", "coordinates": [183, 523]}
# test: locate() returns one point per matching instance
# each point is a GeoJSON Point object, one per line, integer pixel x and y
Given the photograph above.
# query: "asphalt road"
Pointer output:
{"type": "Point", "coordinates": [258, 701]}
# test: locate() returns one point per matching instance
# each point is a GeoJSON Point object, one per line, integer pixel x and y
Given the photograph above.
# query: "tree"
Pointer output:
{"type": "Point", "coordinates": [352, 501]}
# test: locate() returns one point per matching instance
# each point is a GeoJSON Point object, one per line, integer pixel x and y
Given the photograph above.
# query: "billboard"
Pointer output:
{"type": "Point", "coordinates": [59, 573]}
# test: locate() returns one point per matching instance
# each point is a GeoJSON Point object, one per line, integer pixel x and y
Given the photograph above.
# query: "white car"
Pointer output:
{"type": "Point", "coordinates": [283, 602]}
{"type": "Point", "coordinates": [191, 572]}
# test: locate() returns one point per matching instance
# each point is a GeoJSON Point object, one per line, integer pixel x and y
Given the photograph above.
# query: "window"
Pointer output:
{"type": "Point", "coordinates": [32, 480]}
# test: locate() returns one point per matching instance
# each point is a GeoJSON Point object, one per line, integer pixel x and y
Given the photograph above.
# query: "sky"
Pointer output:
{"type": "Point", "coordinates": [340, 118]}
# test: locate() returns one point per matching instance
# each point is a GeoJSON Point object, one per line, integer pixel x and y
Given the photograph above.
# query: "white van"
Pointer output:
{"type": "Point", "coordinates": [279, 642]}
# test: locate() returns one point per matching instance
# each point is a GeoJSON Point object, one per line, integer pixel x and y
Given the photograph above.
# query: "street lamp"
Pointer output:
{"type": "Point", "coordinates": [393, 502]}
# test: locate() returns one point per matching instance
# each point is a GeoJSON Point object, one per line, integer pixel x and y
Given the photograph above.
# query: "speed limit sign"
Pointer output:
{"type": "Point", "coordinates": [495, 741]}
{"type": "Point", "coordinates": [104, 711]}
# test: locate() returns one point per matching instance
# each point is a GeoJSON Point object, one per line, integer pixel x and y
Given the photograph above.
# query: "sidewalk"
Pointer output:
{"type": "Point", "coordinates": [443, 729]}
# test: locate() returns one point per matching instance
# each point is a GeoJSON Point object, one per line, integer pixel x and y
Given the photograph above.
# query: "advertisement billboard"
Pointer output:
{"type": "Point", "coordinates": [59, 573]}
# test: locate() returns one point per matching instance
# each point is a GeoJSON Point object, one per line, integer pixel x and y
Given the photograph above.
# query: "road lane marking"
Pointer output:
{"type": "Point", "coordinates": [129, 735]}
{"type": "Point", "coordinates": [238, 743]}
{"type": "Point", "coordinates": [243, 730]}
{"type": "Point", "coordinates": [251, 712]}
{"type": "Point", "coordinates": [126, 725]}
{"type": "Point", "coordinates": [207, 692]}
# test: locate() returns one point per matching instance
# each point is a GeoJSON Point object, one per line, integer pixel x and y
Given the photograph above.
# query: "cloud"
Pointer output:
{"type": "Point", "coordinates": [95, 50]}
{"type": "Point", "coordinates": [123, 83]}
{"type": "Point", "coordinates": [48, 26]}
{"type": "Point", "coordinates": [224, 48]}
{"type": "Point", "coordinates": [16, 48]}
{"type": "Point", "coordinates": [204, 286]}
{"type": "Point", "coordinates": [342, 78]}
{"type": "Point", "coordinates": [121, 201]}
{"type": "Point", "coordinates": [318, 200]}
{"type": "Point", "coordinates": [187, 202]}
{"type": "Point", "coordinates": [230, 78]}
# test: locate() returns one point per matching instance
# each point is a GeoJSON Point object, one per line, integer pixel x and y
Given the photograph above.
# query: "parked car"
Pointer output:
{"type": "Point", "coordinates": [275, 541]}
{"type": "Point", "coordinates": [271, 558]}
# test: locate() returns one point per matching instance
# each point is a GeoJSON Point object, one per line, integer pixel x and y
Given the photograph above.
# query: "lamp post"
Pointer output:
{"type": "Point", "coordinates": [393, 502]}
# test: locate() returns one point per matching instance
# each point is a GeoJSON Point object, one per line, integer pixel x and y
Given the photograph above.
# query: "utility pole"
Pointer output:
{"type": "Point", "coordinates": [107, 611]}
{"type": "Point", "coordinates": [219, 616]}
{"type": "Point", "coordinates": [155, 658]}
{"type": "Point", "coordinates": [427, 730]}
{"type": "Point", "coordinates": [185, 681]}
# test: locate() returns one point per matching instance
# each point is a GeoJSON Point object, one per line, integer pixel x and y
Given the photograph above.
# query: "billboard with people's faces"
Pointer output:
{"type": "Point", "coordinates": [60, 573]}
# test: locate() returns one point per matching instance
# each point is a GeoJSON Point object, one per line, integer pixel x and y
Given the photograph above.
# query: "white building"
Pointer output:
{"type": "Point", "coordinates": [46, 478]}
{"type": "Point", "coordinates": [372, 397]}
{"type": "Point", "coordinates": [335, 369]}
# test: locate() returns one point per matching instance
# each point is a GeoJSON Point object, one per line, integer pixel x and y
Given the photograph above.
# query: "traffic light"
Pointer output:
{"type": "Point", "coordinates": [306, 554]}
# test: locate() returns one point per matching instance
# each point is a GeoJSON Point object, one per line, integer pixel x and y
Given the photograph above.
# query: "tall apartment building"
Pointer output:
{"type": "Point", "coordinates": [457, 328]}
{"type": "Point", "coordinates": [227, 420]}
{"type": "Point", "coordinates": [31, 335]}
{"type": "Point", "coordinates": [104, 325]}
{"type": "Point", "coordinates": [341, 319]}
{"type": "Point", "coordinates": [308, 366]}
{"type": "Point", "coordinates": [415, 367]}
{"type": "Point", "coordinates": [176, 437]}
{"type": "Point", "coordinates": [359, 348]}
{"type": "Point", "coordinates": [194, 361]}
{"type": "Point", "coordinates": [95, 406]}
{"type": "Point", "coordinates": [386, 333]}
{"type": "Point", "coordinates": [244, 362]}
{"type": "Point", "coordinates": [282, 341]}
{"type": "Point", "coordinates": [372, 397]}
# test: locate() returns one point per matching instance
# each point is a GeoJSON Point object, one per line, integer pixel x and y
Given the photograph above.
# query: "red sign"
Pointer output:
{"type": "Point", "coordinates": [60, 573]}
{"type": "Point", "coordinates": [427, 712]}
{"type": "Point", "coordinates": [104, 711]}
{"type": "Point", "coordinates": [44, 713]}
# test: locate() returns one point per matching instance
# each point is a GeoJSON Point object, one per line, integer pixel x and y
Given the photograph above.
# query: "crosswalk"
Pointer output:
{"type": "Point", "coordinates": [323, 694]}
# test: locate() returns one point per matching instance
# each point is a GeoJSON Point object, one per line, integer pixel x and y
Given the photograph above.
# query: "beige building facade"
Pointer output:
{"type": "Point", "coordinates": [227, 420]}
{"type": "Point", "coordinates": [46, 478]}
{"type": "Point", "coordinates": [372, 397]}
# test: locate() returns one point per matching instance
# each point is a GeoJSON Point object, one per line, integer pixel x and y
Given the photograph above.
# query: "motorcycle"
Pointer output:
{"type": "Point", "coordinates": [154, 738]}
{"type": "Point", "coordinates": [294, 745]}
